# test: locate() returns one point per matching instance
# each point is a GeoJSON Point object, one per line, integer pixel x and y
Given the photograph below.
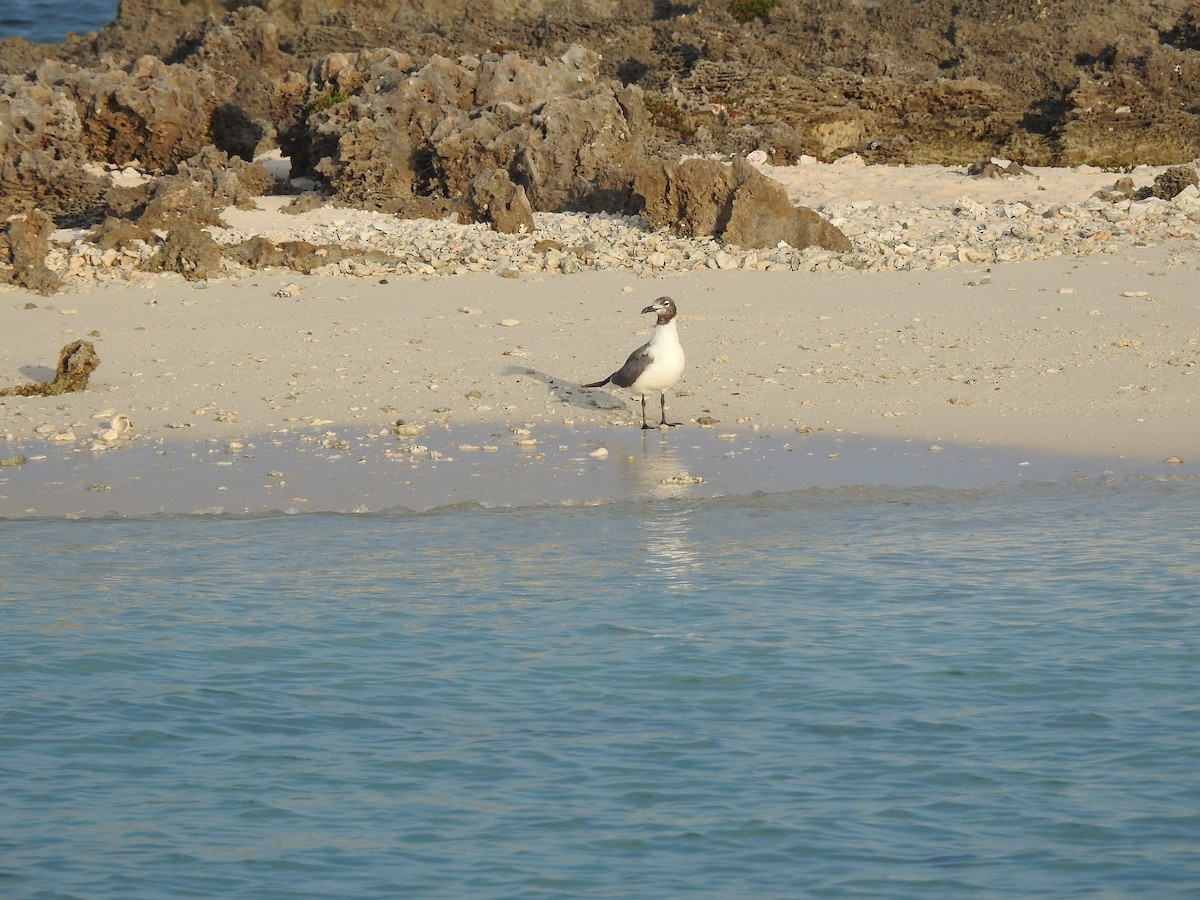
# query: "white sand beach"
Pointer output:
{"type": "Point", "coordinates": [1088, 348]}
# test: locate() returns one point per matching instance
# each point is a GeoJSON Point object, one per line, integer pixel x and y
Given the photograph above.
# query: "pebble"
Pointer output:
{"type": "Point", "coordinates": [885, 237]}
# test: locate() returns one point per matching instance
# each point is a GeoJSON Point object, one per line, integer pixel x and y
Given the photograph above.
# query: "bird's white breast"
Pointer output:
{"type": "Point", "coordinates": [666, 361]}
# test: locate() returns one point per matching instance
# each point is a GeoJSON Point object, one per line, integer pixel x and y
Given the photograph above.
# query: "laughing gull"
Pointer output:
{"type": "Point", "coordinates": [654, 366]}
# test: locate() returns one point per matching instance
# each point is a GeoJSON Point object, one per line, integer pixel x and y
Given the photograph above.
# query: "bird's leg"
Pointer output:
{"type": "Point", "coordinates": [663, 400]}
{"type": "Point", "coordinates": [644, 425]}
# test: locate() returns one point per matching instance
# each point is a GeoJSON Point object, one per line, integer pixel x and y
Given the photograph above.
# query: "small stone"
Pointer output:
{"type": "Point", "coordinates": [1173, 460]}
{"type": "Point", "coordinates": [682, 478]}
{"type": "Point", "coordinates": [14, 461]}
{"type": "Point", "coordinates": [599, 453]}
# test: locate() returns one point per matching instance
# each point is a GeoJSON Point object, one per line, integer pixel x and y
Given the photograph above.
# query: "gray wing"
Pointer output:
{"type": "Point", "coordinates": [633, 368]}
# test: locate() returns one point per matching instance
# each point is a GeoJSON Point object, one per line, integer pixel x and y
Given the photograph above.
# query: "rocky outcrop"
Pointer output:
{"type": "Point", "coordinates": [42, 158]}
{"type": "Point", "coordinates": [148, 112]}
{"type": "Point", "coordinates": [76, 363]}
{"type": "Point", "coordinates": [63, 122]}
{"type": "Point", "coordinates": [24, 243]}
{"type": "Point", "coordinates": [200, 188]}
{"type": "Point", "coordinates": [382, 130]}
{"type": "Point", "coordinates": [737, 204]}
{"type": "Point", "coordinates": [504, 136]}
{"type": "Point", "coordinates": [958, 80]}
{"type": "Point", "coordinates": [493, 198]}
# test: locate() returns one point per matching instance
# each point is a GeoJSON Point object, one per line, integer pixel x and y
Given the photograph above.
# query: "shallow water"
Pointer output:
{"type": "Point", "coordinates": [867, 691]}
{"type": "Point", "coordinates": [48, 21]}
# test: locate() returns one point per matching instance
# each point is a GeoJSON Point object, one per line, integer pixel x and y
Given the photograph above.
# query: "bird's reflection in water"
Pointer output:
{"type": "Point", "coordinates": [658, 474]}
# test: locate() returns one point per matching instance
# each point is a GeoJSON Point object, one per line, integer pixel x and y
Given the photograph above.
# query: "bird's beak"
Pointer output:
{"type": "Point", "coordinates": [653, 307]}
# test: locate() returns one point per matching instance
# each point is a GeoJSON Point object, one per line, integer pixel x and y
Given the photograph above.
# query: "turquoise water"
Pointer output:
{"type": "Point", "coordinates": [850, 692]}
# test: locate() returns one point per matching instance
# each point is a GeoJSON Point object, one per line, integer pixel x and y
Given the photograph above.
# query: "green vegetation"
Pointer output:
{"type": "Point", "coordinates": [322, 103]}
{"type": "Point", "coordinates": [744, 11]}
{"type": "Point", "coordinates": [668, 115]}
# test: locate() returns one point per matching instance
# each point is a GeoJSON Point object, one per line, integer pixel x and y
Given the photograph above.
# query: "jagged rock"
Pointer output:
{"type": "Point", "coordinates": [120, 234]}
{"type": "Point", "coordinates": [493, 198]}
{"type": "Point", "coordinates": [148, 112]}
{"type": "Point", "coordinates": [1174, 180]}
{"type": "Point", "coordinates": [1069, 82]}
{"type": "Point", "coordinates": [382, 131]}
{"type": "Point", "coordinates": [992, 168]}
{"type": "Point", "coordinates": [41, 153]}
{"type": "Point", "coordinates": [737, 204]}
{"type": "Point", "coordinates": [189, 251]}
{"type": "Point", "coordinates": [24, 243]}
{"type": "Point", "coordinates": [204, 185]}
{"type": "Point", "coordinates": [76, 363]}
{"type": "Point", "coordinates": [245, 43]}
{"type": "Point", "coordinates": [509, 136]}
{"type": "Point", "coordinates": [60, 118]}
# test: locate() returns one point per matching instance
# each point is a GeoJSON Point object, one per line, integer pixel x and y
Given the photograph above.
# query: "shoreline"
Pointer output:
{"type": "Point", "coordinates": [1083, 355]}
{"type": "Point", "coordinates": [518, 468]}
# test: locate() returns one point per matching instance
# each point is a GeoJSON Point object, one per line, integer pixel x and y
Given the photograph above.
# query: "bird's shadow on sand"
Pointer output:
{"type": "Point", "coordinates": [570, 393]}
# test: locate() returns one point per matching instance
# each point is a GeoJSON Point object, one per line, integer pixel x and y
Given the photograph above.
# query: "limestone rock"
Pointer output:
{"type": "Point", "coordinates": [76, 362]}
{"type": "Point", "coordinates": [382, 130]}
{"type": "Point", "coordinates": [737, 204]}
{"type": "Point", "coordinates": [190, 251]}
{"type": "Point", "coordinates": [24, 243]}
{"type": "Point", "coordinates": [493, 198]}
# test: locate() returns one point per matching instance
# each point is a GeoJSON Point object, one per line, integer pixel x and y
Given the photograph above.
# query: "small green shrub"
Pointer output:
{"type": "Point", "coordinates": [744, 11]}
{"type": "Point", "coordinates": [322, 103]}
{"type": "Point", "coordinates": [665, 113]}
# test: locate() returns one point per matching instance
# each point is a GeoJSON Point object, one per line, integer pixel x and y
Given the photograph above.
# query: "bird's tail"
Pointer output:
{"type": "Point", "coordinates": [599, 383]}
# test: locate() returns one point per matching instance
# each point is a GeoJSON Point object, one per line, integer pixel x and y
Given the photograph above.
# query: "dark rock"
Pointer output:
{"type": "Point", "coordinates": [1174, 180]}
{"type": "Point", "coordinates": [302, 256]}
{"type": "Point", "coordinates": [303, 203]}
{"type": "Point", "coordinates": [24, 243]}
{"type": "Point", "coordinates": [383, 131]}
{"type": "Point", "coordinates": [1122, 189]}
{"type": "Point", "coordinates": [988, 169]}
{"type": "Point", "coordinates": [189, 251]}
{"type": "Point", "coordinates": [76, 363]}
{"type": "Point", "coordinates": [61, 118]}
{"type": "Point", "coordinates": [120, 234]}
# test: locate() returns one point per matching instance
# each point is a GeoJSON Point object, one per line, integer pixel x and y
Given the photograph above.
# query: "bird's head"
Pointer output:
{"type": "Point", "coordinates": [665, 307]}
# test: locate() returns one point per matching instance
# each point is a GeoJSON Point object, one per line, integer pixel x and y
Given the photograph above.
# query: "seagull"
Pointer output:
{"type": "Point", "coordinates": [654, 366]}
